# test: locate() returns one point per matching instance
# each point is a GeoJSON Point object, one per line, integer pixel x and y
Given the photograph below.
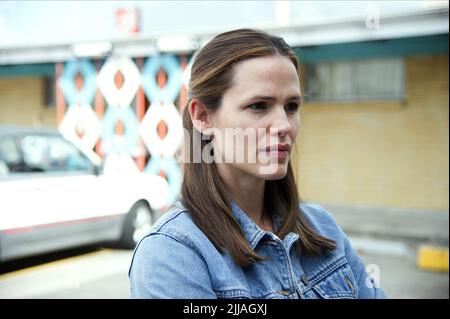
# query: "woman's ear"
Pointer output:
{"type": "Point", "coordinates": [200, 116]}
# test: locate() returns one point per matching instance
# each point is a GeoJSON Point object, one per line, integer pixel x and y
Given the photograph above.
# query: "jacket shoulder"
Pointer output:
{"type": "Point", "coordinates": [178, 224]}
{"type": "Point", "coordinates": [321, 220]}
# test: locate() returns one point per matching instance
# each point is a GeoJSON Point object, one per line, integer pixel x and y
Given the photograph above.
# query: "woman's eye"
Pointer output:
{"type": "Point", "coordinates": [257, 106]}
{"type": "Point", "coordinates": [292, 107]}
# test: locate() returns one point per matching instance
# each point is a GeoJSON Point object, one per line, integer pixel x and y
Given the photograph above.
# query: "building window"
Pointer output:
{"type": "Point", "coordinates": [380, 79]}
{"type": "Point", "coordinates": [49, 93]}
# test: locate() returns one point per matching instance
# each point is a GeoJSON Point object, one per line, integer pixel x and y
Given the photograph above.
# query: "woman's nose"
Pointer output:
{"type": "Point", "coordinates": [280, 124]}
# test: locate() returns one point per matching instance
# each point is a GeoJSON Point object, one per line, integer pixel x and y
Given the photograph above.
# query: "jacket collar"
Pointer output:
{"type": "Point", "coordinates": [252, 232]}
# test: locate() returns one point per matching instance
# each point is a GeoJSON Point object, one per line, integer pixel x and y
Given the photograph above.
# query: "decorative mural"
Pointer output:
{"type": "Point", "coordinates": [140, 128]}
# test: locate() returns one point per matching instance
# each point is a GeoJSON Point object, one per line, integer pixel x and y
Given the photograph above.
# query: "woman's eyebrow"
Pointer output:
{"type": "Point", "coordinates": [271, 98]}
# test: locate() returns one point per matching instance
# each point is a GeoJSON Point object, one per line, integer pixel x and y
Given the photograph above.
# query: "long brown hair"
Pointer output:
{"type": "Point", "coordinates": [203, 192]}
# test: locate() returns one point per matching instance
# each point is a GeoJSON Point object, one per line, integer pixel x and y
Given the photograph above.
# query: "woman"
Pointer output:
{"type": "Point", "coordinates": [239, 230]}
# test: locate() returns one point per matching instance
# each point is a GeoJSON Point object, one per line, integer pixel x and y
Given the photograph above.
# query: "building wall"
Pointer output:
{"type": "Point", "coordinates": [22, 102]}
{"type": "Point", "coordinates": [392, 154]}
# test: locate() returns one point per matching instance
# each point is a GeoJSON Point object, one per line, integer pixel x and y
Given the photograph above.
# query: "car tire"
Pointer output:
{"type": "Point", "coordinates": [137, 224]}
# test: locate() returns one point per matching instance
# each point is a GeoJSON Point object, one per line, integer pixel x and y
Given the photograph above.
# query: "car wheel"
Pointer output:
{"type": "Point", "coordinates": [137, 224]}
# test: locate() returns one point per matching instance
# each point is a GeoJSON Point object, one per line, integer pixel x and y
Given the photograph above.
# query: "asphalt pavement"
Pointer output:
{"type": "Point", "coordinates": [102, 273]}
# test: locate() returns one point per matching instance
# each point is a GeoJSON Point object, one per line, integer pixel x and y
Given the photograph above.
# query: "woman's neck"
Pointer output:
{"type": "Point", "coordinates": [248, 193]}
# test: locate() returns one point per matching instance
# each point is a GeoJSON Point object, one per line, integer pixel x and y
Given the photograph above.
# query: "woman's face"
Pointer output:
{"type": "Point", "coordinates": [257, 123]}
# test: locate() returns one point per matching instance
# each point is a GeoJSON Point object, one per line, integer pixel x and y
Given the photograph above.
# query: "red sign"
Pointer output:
{"type": "Point", "coordinates": [127, 20]}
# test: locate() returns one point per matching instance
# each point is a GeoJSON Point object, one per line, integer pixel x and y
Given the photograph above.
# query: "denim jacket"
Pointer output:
{"type": "Point", "coordinates": [177, 260]}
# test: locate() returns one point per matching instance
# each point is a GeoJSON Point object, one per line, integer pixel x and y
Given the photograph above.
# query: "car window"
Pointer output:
{"type": "Point", "coordinates": [10, 160]}
{"type": "Point", "coordinates": [52, 154]}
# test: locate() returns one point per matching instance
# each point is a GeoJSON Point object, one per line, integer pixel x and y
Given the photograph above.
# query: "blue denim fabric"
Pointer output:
{"type": "Point", "coordinates": [176, 260]}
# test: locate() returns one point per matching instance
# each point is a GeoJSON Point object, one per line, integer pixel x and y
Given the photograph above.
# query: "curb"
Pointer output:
{"type": "Point", "coordinates": [432, 258]}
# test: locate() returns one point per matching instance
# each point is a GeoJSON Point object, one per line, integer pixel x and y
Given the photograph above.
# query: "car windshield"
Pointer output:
{"type": "Point", "coordinates": [52, 154]}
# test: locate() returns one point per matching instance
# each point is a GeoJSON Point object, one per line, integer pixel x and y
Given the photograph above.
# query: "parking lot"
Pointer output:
{"type": "Point", "coordinates": [94, 272]}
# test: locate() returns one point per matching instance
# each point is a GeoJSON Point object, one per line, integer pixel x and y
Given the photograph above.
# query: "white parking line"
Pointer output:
{"type": "Point", "coordinates": [380, 247]}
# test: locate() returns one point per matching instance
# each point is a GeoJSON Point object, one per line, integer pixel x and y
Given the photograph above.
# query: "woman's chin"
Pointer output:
{"type": "Point", "coordinates": [273, 172]}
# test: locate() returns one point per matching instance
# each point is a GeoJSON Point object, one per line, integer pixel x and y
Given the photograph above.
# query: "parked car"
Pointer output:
{"type": "Point", "coordinates": [52, 196]}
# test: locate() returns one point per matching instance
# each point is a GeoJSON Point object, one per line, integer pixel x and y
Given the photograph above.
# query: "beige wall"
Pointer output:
{"type": "Point", "coordinates": [22, 102]}
{"type": "Point", "coordinates": [388, 154]}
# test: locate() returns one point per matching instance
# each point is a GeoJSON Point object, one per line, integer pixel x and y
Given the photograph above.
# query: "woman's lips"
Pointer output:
{"type": "Point", "coordinates": [279, 151]}
{"type": "Point", "coordinates": [278, 154]}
